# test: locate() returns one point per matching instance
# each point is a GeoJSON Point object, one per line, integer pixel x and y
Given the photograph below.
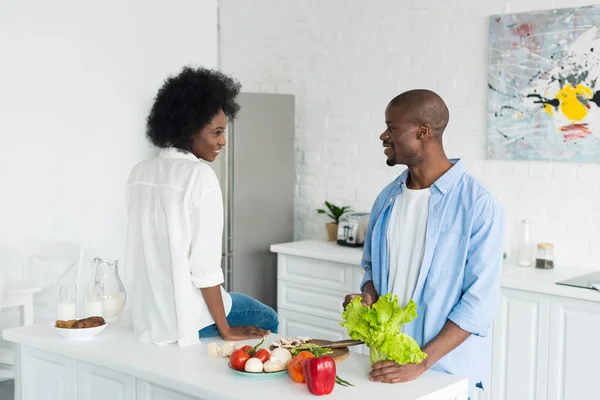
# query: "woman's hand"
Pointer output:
{"type": "Point", "coordinates": [236, 333]}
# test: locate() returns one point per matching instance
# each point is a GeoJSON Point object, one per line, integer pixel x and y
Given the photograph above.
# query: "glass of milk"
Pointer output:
{"type": "Point", "coordinates": [66, 299]}
{"type": "Point", "coordinates": [94, 300]}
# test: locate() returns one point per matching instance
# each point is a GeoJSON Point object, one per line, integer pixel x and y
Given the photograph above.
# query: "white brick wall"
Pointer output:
{"type": "Point", "coordinates": [345, 59]}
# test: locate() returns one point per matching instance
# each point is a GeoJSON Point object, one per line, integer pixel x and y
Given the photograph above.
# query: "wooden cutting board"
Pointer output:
{"type": "Point", "coordinates": [338, 355]}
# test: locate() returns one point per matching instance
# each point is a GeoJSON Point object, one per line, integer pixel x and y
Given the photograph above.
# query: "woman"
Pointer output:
{"type": "Point", "coordinates": [175, 226]}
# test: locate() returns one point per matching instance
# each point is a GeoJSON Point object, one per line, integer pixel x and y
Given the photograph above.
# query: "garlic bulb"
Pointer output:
{"type": "Point", "coordinates": [238, 346]}
{"type": "Point", "coordinates": [227, 349]}
{"type": "Point", "coordinates": [213, 350]}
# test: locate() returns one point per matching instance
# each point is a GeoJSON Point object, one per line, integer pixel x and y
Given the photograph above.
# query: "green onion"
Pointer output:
{"type": "Point", "coordinates": [342, 382]}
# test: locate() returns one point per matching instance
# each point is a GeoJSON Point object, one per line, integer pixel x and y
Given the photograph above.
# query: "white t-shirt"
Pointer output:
{"type": "Point", "coordinates": [174, 240]}
{"type": "Point", "coordinates": [406, 241]}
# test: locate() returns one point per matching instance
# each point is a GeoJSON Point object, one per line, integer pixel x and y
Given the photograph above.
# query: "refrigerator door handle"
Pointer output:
{"type": "Point", "coordinates": [227, 265]}
{"type": "Point", "coordinates": [229, 215]}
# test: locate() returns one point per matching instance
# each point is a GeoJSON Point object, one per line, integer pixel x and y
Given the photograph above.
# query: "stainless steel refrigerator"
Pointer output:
{"type": "Point", "coordinates": [256, 171]}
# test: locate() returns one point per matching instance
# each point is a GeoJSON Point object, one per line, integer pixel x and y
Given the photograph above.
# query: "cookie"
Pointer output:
{"type": "Point", "coordinates": [65, 324]}
{"type": "Point", "coordinates": [90, 322]}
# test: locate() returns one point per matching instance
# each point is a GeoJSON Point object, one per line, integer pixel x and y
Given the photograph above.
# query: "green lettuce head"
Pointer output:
{"type": "Point", "coordinates": [379, 326]}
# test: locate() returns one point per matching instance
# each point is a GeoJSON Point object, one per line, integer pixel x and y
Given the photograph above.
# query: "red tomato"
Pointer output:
{"type": "Point", "coordinates": [238, 359]}
{"type": "Point", "coordinates": [246, 348]}
{"type": "Point", "coordinates": [263, 355]}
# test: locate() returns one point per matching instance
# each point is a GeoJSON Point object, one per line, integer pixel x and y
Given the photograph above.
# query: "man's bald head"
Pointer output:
{"type": "Point", "coordinates": [415, 121]}
{"type": "Point", "coordinates": [423, 107]}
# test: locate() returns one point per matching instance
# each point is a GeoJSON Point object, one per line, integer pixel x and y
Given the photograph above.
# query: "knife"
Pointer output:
{"type": "Point", "coordinates": [341, 343]}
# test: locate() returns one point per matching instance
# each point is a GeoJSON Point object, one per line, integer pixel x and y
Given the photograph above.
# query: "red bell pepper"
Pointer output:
{"type": "Point", "coordinates": [319, 374]}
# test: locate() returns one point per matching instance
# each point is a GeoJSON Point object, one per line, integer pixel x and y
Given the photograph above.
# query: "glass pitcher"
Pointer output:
{"type": "Point", "coordinates": [106, 273]}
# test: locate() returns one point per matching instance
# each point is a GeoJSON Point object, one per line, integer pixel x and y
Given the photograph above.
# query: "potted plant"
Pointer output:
{"type": "Point", "coordinates": [334, 212]}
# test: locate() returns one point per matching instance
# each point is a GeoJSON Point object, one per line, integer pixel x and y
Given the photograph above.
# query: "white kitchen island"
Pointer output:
{"type": "Point", "coordinates": [113, 365]}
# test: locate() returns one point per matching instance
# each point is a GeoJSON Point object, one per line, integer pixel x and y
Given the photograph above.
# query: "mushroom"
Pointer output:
{"type": "Point", "coordinates": [281, 355]}
{"type": "Point", "coordinates": [253, 365]}
{"type": "Point", "coordinates": [273, 366]}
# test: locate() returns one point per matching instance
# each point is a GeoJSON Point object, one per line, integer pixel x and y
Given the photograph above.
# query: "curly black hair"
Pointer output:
{"type": "Point", "coordinates": [187, 102]}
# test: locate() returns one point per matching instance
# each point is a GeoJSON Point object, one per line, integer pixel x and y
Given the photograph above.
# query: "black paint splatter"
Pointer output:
{"type": "Point", "coordinates": [535, 76]}
{"type": "Point", "coordinates": [500, 113]}
{"type": "Point", "coordinates": [542, 100]}
{"type": "Point", "coordinates": [506, 94]}
{"type": "Point", "coordinates": [502, 133]}
{"type": "Point", "coordinates": [596, 98]}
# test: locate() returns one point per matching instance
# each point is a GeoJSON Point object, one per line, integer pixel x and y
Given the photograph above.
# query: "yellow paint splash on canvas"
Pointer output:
{"type": "Point", "coordinates": [570, 105]}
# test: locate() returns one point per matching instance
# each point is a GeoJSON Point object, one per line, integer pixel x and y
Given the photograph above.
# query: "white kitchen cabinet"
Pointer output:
{"type": "Point", "coordinates": [575, 351]}
{"type": "Point", "coordinates": [309, 300]}
{"type": "Point", "coordinates": [294, 324]}
{"type": "Point", "coordinates": [311, 289]}
{"type": "Point", "coordinates": [314, 272]}
{"type": "Point", "coordinates": [150, 391]}
{"type": "Point", "coordinates": [47, 376]}
{"type": "Point", "coordinates": [98, 383]}
{"type": "Point", "coordinates": [546, 338]}
{"type": "Point", "coordinates": [520, 346]}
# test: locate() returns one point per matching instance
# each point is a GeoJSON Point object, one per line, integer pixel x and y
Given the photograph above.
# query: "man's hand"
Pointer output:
{"type": "Point", "coordinates": [236, 333]}
{"type": "Point", "coordinates": [369, 295]}
{"type": "Point", "coordinates": [392, 372]}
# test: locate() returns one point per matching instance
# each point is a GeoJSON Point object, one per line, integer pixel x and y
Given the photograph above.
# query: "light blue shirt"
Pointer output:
{"type": "Point", "coordinates": [459, 278]}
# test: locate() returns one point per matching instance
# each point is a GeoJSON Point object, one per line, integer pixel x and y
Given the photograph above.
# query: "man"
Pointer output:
{"type": "Point", "coordinates": [435, 235]}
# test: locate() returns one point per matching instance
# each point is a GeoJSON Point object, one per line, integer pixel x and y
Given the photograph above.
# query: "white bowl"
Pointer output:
{"type": "Point", "coordinates": [80, 333]}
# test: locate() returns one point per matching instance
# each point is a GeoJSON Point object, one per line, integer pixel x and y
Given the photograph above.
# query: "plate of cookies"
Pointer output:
{"type": "Point", "coordinates": [80, 328]}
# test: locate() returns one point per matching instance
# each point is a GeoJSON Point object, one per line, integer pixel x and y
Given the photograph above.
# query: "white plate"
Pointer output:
{"type": "Point", "coordinates": [81, 333]}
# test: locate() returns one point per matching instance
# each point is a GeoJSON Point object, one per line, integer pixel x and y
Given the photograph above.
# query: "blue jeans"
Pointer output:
{"type": "Point", "coordinates": [246, 310]}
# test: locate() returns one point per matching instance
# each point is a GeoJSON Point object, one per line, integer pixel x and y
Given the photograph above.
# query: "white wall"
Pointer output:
{"type": "Point", "coordinates": [76, 83]}
{"type": "Point", "coordinates": [345, 59]}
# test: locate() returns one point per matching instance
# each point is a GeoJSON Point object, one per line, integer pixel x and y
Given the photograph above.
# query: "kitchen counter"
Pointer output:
{"type": "Point", "coordinates": [513, 277]}
{"type": "Point", "coordinates": [544, 281]}
{"type": "Point", "coordinates": [322, 250]}
{"type": "Point", "coordinates": [191, 372]}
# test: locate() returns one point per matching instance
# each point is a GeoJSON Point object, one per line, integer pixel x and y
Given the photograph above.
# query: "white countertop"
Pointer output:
{"type": "Point", "coordinates": [529, 279]}
{"type": "Point", "coordinates": [544, 281]}
{"type": "Point", "coordinates": [189, 370]}
{"type": "Point", "coordinates": [322, 250]}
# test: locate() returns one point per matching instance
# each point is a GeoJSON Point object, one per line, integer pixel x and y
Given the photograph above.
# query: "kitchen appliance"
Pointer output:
{"type": "Point", "coordinates": [588, 281]}
{"type": "Point", "coordinates": [352, 229]}
{"type": "Point", "coordinates": [256, 171]}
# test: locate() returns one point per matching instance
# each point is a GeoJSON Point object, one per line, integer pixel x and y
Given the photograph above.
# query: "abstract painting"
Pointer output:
{"type": "Point", "coordinates": [544, 86]}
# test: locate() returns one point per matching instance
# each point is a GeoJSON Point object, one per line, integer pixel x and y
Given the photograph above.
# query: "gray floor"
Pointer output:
{"type": "Point", "coordinates": [7, 390]}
